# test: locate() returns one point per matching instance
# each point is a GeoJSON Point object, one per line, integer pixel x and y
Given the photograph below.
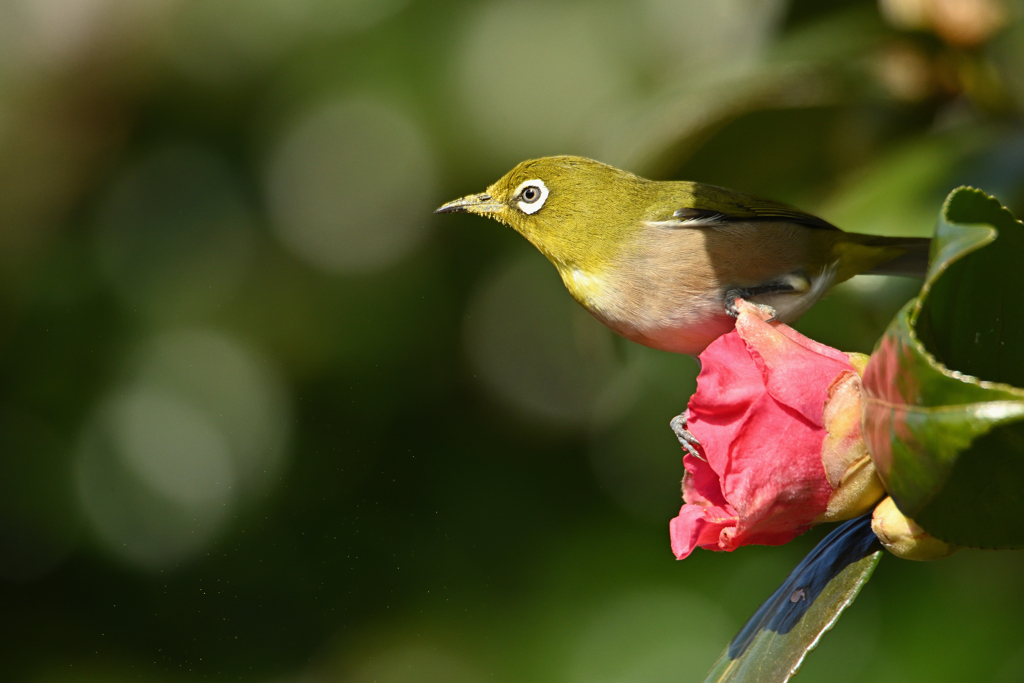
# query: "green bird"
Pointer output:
{"type": "Point", "coordinates": [662, 263]}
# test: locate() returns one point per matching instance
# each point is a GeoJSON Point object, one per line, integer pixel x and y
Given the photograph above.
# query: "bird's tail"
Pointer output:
{"type": "Point", "coordinates": [906, 256]}
{"type": "Point", "coordinates": [913, 262]}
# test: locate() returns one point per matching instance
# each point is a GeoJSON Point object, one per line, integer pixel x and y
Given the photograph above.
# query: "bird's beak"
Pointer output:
{"type": "Point", "coordinates": [474, 203]}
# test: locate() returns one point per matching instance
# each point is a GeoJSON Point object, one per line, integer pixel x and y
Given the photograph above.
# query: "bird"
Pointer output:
{"type": "Point", "coordinates": [662, 262]}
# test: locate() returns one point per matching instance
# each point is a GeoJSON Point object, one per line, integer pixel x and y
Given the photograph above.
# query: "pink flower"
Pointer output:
{"type": "Point", "coordinates": [759, 415]}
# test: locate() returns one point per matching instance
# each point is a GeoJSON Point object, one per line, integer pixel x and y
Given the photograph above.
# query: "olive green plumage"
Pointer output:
{"type": "Point", "coordinates": [660, 262]}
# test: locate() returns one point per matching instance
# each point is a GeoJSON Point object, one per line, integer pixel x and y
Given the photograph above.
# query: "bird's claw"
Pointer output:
{"type": "Point", "coordinates": [733, 310]}
{"type": "Point", "coordinates": [687, 440]}
{"type": "Point", "coordinates": [730, 303]}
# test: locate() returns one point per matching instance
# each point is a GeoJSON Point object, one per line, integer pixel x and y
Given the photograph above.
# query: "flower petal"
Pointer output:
{"type": "Point", "coordinates": [797, 370]}
{"type": "Point", "coordinates": [750, 319]}
{"type": "Point", "coordinates": [728, 383]}
{"type": "Point", "coordinates": [699, 526]}
{"type": "Point", "coordinates": [774, 478]}
{"type": "Point", "coordinates": [701, 485]}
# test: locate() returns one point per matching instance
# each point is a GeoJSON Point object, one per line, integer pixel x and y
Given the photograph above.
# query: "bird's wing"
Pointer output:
{"type": "Point", "coordinates": [708, 204]}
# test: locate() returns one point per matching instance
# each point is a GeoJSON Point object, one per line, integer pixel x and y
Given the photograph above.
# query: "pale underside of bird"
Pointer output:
{"type": "Point", "coordinates": [661, 291]}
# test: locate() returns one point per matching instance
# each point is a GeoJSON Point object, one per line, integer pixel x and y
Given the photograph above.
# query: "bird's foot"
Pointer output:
{"type": "Point", "coordinates": [770, 315]}
{"type": "Point", "coordinates": [687, 440]}
{"type": "Point", "coordinates": [733, 294]}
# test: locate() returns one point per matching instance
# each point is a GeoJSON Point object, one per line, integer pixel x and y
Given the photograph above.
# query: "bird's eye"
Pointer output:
{"type": "Point", "coordinates": [531, 195]}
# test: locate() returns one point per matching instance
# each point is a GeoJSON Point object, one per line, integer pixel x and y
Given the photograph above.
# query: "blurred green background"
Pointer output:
{"type": "Point", "coordinates": [264, 417]}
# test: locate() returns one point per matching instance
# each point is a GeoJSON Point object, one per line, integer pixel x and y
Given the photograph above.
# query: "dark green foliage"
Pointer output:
{"type": "Point", "coordinates": [942, 417]}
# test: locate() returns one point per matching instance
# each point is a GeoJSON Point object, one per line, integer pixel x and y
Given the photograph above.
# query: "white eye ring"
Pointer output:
{"type": "Point", "coordinates": [535, 205]}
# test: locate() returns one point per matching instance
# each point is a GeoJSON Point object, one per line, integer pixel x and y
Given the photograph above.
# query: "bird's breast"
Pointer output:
{"type": "Point", "coordinates": [656, 298]}
{"type": "Point", "coordinates": [596, 291]}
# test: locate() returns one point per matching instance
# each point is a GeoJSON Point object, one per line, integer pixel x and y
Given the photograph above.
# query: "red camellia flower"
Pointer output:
{"type": "Point", "coordinates": [758, 414]}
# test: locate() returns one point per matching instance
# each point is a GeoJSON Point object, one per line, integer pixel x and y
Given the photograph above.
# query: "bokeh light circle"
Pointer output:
{"type": "Point", "coordinates": [636, 457]}
{"type": "Point", "coordinates": [200, 425]}
{"type": "Point", "coordinates": [138, 438]}
{"type": "Point", "coordinates": [694, 37]}
{"type": "Point", "coordinates": [351, 186]}
{"type": "Point", "coordinates": [534, 75]}
{"type": "Point", "coordinates": [535, 347]}
{"type": "Point", "coordinates": [237, 387]}
{"type": "Point", "coordinates": [172, 447]}
{"type": "Point", "coordinates": [221, 42]}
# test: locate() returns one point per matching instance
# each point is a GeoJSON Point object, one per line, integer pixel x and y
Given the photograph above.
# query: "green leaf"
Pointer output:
{"type": "Point", "coordinates": [942, 413]}
{"type": "Point", "coordinates": [773, 643]}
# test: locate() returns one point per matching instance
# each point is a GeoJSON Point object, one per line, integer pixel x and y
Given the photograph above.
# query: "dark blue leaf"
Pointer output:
{"type": "Point", "coordinates": [773, 643]}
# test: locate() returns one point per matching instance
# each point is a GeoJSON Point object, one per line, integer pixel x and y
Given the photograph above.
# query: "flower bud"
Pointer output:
{"type": "Point", "coordinates": [903, 537]}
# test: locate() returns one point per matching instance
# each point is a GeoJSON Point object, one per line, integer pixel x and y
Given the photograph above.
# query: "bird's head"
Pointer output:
{"type": "Point", "coordinates": [574, 210]}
